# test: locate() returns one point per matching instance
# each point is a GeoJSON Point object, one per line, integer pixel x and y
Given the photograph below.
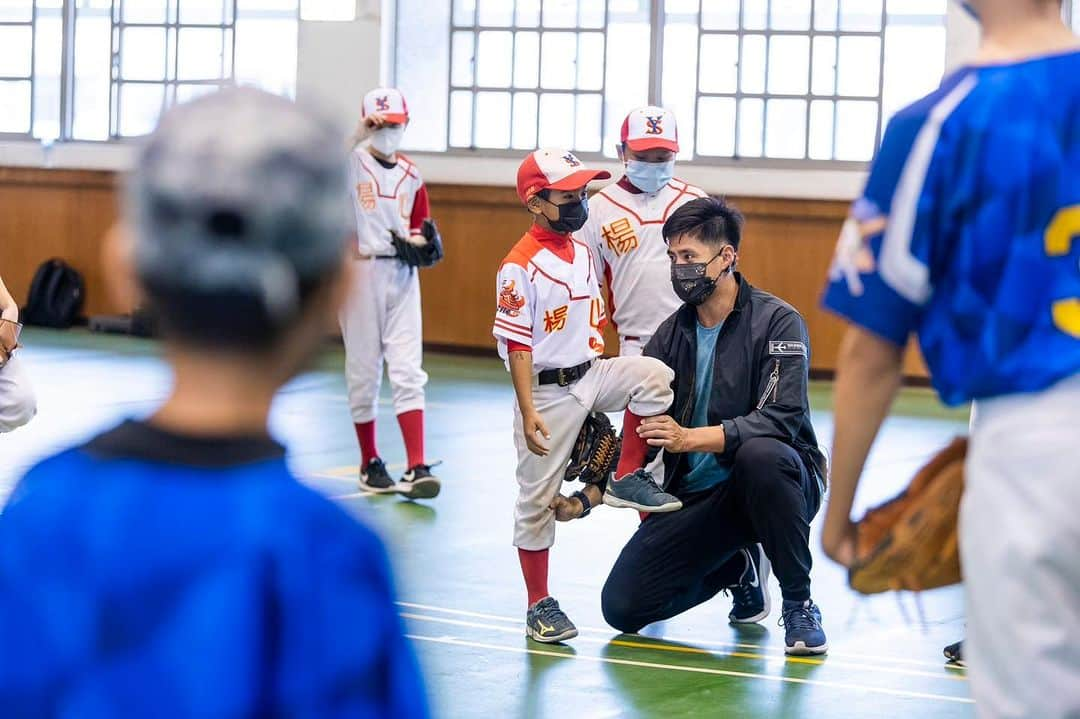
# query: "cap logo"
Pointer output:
{"type": "Point", "coordinates": [570, 160]}
{"type": "Point", "coordinates": [382, 104]}
{"type": "Point", "coordinates": [654, 124]}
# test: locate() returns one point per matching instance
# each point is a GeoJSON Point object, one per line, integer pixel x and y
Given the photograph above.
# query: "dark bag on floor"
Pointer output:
{"type": "Point", "coordinates": [56, 296]}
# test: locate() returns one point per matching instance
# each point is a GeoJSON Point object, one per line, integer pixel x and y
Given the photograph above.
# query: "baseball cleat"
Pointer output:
{"type": "Point", "coordinates": [802, 628]}
{"type": "Point", "coordinates": [546, 622]}
{"type": "Point", "coordinates": [751, 594]}
{"type": "Point", "coordinates": [419, 483]}
{"type": "Point", "coordinates": [374, 478]}
{"type": "Point", "coordinates": [639, 491]}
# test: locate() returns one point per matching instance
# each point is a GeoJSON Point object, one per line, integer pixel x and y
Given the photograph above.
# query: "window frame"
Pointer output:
{"type": "Point", "coordinates": [32, 24]}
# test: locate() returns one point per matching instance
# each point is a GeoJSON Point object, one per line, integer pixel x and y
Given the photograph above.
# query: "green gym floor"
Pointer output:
{"type": "Point", "coordinates": [458, 579]}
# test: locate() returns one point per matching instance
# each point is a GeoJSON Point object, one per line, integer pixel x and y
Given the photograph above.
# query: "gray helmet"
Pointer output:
{"type": "Point", "coordinates": [240, 193]}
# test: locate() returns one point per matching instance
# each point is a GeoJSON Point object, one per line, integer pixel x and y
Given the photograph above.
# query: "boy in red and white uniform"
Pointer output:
{"type": "Point", "coordinates": [549, 322]}
{"type": "Point", "coordinates": [625, 219]}
{"type": "Point", "coordinates": [381, 320]}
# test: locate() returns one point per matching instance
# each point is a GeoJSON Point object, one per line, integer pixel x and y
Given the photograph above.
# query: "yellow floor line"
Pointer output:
{"type": "Point", "coordinates": [454, 641]}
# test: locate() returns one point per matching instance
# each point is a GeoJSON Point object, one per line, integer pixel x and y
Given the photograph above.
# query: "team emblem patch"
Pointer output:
{"type": "Point", "coordinates": [555, 320]}
{"type": "Point", "coordinates": [366, 194]}
{"type": "Point", "coordinates": [654, 125]}
{"type": "Point", "coordinates": [570, 160]}
{"type": "Point", "coordinates": [510, 302]}
{"type": "Point", "coordinates": [788, 348]}
{"type": "Point", "coordinates": [620, 236]}
{"type": "Point", "coordinates": [382, 104]}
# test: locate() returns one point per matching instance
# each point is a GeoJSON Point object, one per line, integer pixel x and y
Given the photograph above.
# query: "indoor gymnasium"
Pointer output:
{"type": "Point", "coordinates": [539, 358]}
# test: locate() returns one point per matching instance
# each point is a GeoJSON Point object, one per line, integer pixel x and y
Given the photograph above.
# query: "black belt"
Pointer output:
{"type": "Point", "coordinates": [564, 375]}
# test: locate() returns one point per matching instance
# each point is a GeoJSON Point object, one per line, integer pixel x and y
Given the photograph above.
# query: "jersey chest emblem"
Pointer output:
{"type": "Point", "coordinates": [366, 193]}
{"type": "Point", "coordinates": [555, 320]}
{"type": "Point", "coordinates": [620, 236]}
{"type": "Point", "coordinates": [510, 302]}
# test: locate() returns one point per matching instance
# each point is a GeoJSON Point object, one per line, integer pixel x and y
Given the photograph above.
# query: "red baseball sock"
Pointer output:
{"type": "Point", "coordinates": [634, 448]}
{"type": "Point", "coordinates": [412, 431]}
{"type": "Point", "coordinates": [365, 434]}
{"type": "Point", "coordinates": [534, 567]}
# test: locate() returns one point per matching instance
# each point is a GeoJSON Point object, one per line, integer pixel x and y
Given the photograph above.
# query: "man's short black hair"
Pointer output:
{"type": "Point", "coordinates": [709, 219]}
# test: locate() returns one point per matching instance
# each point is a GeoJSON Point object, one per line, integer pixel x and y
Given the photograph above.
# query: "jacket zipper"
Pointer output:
{"type": "Point", "coordinates": [772, 387]}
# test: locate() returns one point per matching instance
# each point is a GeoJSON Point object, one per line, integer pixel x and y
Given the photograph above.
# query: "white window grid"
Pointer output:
{"type": "Point", "coordinates": [23, 80]}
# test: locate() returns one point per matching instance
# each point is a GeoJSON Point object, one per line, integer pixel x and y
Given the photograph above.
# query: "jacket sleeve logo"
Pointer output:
{"type": "Point", "coordinates": [787, 348]}
{"type": "Point", "coordinates": [510, 302]}
{"type": "Point", "coordinates": [555, 320]}
{"type": "Point", "coordinates": [620, 236]}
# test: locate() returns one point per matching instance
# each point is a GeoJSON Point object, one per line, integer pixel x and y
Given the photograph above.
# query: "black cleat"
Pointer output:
{"type": "Point", "coordinates": [954, 654]}
{"type": "Point", "coordinates": [375, 479]}
{"type": "Point", "coordinates": [420, 483]}
{"type": "Point", "coordinates": [546, 623]}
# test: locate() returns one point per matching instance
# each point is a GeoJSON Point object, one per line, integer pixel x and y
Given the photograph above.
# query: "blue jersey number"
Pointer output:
{"type": "Point", "coordinates": [1060, 235]}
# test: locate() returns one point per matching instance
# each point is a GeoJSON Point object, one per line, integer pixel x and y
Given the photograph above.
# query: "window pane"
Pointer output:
{"type": "Point", "coordinates": [560, 13]}
{"type": "Point", "coordinates": [461, 62]}
{"type": "Point", "coordinates": [588, 126]}
{"type": "Point", "coordinates": [464, 13]}
{"type": "Point", "coordinates": [860, 65]}
{"type": "Point", "coordinates": [860, 15]}
{"type": "Point", "coordinates": [493, 119]}
{"type": "Point", "coordinates": [627, 80]}
{"type": "Point", "coordinates": [93, 36]}
{"type": "Point", "coordinates": [591, 13]}
{"type": "Point", "coordinates": [266, 51]}
{"type": "Point", "coordinates": [755, 14]}
{"type": "Point", "coordinates": [423, 38]}
{"type": "Point", "coordinates": [785, 129]}
{"type": "Point", "coordinates": [140, 106]}
{"type": "Point", "coordinates": [557, 120]}
{"type": "Point", "coordinates": [751, 124]}
{"type": "Point", "coordinates": [790, 15]}
{"type": "Point", "coordinates": [720, 55]}
{"type": "Point", "coordinates": [494, 59]}
{"type": "Point", "coordinates": [525, 109]}
{"type": "Point", "coordinates": [205, 12]}
{"type": "Point", "coordinates": [16, 10]}
{"type": "Point", "coordinates": [48, 54]}
{"type": "Point", "coordinates": [559, 67]}
{"type": "Point", "coordinates": [856, 130]}
{"type": "Point", "coordinates": [200, 54]}
{"type": "Point", "coordinates": [720, 14]}
{"type": "Point", "coordinates": [328, 10]}
{"type": "Point", "coordinates": [825, 14]}
{"type": "Point", "coordinates": [145, 10]}
{"type": "Point", "coordinates": [15, 50]}
{"type": "Point", "coordinates": [914, 64]}
{"type": "Point", "coordinates": [716, 127]}
{"type": "Point", "coordinates": [461, 114]}
{"type": "Point", "coordinates": [528, 13]}
{"type": "Point", "coordinates": [753, 64]}
{"type": "Point", "coordinates": [142, 53]}
{"type": "Point", "coordinates": [789, 62]}
{"type": "Point", "coordinates": [15, 99]}
{"type": "Point", "coordinates": [184, 93]}
{"type": "Point", "coordinates": [824, 82]}
{"type": "Point", "coordinates": [680, 70]}
{"type": "Point", "coordinates": [527, 59]}
{"type": "Point", "coordinates": [821, 130]}
{"type": "Point", "coordinates": [590, 63]}
{"type": "Point", "coordinates": [495, 13]}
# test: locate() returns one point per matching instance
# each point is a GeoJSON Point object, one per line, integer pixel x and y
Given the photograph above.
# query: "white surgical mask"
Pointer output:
{"type": "Point", "coordinates": [650, 176]}
{"type": "Point", "coordinates": [388, 139]}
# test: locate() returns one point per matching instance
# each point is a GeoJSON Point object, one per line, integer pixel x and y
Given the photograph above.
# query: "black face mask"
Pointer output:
{"type": "Point", "coordinates": [692, 283]}
{"type": "Point", "coordinates": [572, 216]}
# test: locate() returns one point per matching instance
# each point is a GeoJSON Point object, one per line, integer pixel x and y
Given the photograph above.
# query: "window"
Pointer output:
{"type": "Point", "coordinates": [763, 79]}
{"type": "Point", "coordinates": [103, 69]}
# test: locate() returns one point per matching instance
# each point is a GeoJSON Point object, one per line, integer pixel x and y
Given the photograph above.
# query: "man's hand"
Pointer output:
{"type": "Point", "coordinates": [666, 433]}
{"type": "Point", "coordinates": [532, 424]}
{"type": "Point", "coordinates": [566, 508]}
{"type": "Point", "coordinates": [838, 539]}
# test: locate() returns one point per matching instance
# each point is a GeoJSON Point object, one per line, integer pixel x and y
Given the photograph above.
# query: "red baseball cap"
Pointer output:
{"type": "Point", "coordinates": [648, 128]}
{"type": "Point", "coordinates": [388, 102]}
{"type": "Point", "coordinates": [549, 169]}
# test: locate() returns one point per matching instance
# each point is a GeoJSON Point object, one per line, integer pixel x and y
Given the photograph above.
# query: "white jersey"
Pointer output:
{"type": "Point", "coordinates": [624, 233]}
{"type": "Point", "coordinates": [385, 200]}
{"type": "Point", "coordinates": [551, 305]}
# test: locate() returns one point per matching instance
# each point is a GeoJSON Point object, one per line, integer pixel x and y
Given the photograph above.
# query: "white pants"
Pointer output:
{"type": "Point", "coordinates": [380, 321]}
{"type": "Point", "coordinates": [1020, 543]}
{"type": "Point", "coordinates": [17, 403]}
{"type": "Point", "coordinates": [632, 346]}
{"type": "Point", "coordinates": [640, 384]}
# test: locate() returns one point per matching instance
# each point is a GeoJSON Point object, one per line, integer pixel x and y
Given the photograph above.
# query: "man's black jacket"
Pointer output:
{"type": "Point", "coordinates": [760, 373]}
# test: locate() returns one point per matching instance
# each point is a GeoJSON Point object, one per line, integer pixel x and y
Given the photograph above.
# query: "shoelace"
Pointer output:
{"type": "Point", "coordinates": [550, 612]}
{"type": "Point", "coordinates": [799, 618]}
{"type": "Point", "coordinates": [742, 594]}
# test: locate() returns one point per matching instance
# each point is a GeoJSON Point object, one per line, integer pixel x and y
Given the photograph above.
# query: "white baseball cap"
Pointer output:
{"type": "Point", "coordinates": [550, 169]}
{"type": "Point", "coordinates": [388, 102]}
{"type": "Point", "coordinates": [648, 128]}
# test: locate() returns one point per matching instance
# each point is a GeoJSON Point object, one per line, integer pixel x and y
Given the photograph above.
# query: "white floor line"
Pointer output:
{"type": "Point", "coordinates": [703, 645]}
{"type": "Point", "coordinates": [772, 657]}
{"type": "Point", "coordinates": [454, 641]}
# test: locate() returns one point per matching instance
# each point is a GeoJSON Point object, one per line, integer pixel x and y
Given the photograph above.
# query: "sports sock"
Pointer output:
{"type": "Point", "coordinates": [534, 567]}
{"type": "Point", "coordinates": [412, 431]}
{"type": "Point", "coordinates": [634, 447]}
{"type": "Point", "coordinates": [365, 435]}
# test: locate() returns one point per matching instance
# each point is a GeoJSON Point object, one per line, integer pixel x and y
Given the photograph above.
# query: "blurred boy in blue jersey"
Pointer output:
{"type": "Point", "coordinates": [173, 566]}
{"type": "Point", "coordinates": [967, 234]}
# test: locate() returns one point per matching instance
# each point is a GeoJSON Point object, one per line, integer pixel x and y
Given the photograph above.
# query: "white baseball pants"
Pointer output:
{"type": "Point", "coordinates": [17, 403]}
{"type": "Point", "coordinates": [640, 384]}
{"type": "Point", "coordinates": [1020, 543]}
{"type": "Point", "coordinates": [381, 321]}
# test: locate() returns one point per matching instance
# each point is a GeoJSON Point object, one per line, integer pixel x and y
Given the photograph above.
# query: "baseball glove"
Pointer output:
{"type": "Point", "coordinates": [426, 255]}
{"type": "Point", "coordinates": [911, 541]}
{"type": "Point", "coordinates": [9, 339]}
{"type": "Point", "coordinates": [596, 451]}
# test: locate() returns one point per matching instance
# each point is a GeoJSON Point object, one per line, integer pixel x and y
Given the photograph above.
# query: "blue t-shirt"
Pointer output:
{"type": "Point", "coordinates": [148, 574]}
{"type": "Point", "coordinates": [967, 231]}
{"type": "Point", "coordinates": [705, 470]}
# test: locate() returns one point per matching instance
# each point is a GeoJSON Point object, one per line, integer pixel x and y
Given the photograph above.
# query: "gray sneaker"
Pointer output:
{"type": "Point", "coordinates": [546, 623]}
{"type": "Point", "coordinates": [639, 491]}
